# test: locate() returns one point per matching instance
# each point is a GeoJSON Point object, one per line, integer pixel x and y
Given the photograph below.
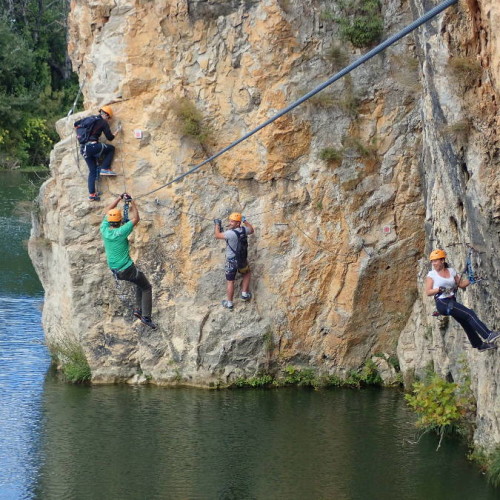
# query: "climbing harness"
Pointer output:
{"type": "Point", "coordinates": [448, 303]}
{"type": "Point", "coordinates": [379, 48]}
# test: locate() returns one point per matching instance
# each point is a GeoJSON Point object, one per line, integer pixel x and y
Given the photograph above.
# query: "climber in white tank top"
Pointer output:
{"type": "Point", "coordinates": [442, 283]}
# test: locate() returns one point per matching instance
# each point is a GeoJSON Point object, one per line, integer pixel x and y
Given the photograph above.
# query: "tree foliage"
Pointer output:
{"type": "Point", "coordinates": [442, 406]}
{"type": "Point", "coordinates": [361, 23]}
{"type": "Point", "coordinates": [36, 81]}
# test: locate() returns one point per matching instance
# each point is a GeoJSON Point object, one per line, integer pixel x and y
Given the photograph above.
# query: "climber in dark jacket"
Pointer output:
{"type": "Point", "coordinates": [92, 150]}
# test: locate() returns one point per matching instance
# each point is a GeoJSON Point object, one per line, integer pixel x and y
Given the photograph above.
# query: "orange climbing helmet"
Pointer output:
{"type": "Point", "coordinates": [236, 216]}
{"type": "Point", "coordinates": [437, 254]}
{"type": "Point", "coordinates": [114, 215]}
{"type": "Point", "coordinates": [107, 110]}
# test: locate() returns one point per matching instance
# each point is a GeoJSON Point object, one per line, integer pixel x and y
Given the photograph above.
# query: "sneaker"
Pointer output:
{"type": "Point", "coordinates": [227, 304]}
{"type": "Point", "coordinates": [493, 336]}
{"type": "Point", "coordinates": [148, 322]}
{"type": "Point", "coordinates": [94, 197]}
{"type": "Point", "coordinates": [137, 313]}
{"type": "Point", "coordinates": [246, 296]}
{"type": "Point", "coordinates": [105, 171]}
{"type": "Point", "coordinates": [486, 347]}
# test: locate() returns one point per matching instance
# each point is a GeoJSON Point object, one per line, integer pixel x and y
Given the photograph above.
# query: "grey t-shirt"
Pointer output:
{"type": "Point", "coordinates": [232, 240]}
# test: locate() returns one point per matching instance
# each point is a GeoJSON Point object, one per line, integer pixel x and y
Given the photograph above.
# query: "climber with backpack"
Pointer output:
{"type": "Point", "coordinates": [115, 231]}
{"type": "Point", "coordinates": [236, 255]}
{"type": "Point", "coordinates": [88, 131]}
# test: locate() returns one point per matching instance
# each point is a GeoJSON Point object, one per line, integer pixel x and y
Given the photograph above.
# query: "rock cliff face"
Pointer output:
{"type": "Point", "coordinates": [460, 179]}
{"type": "Point", "coordinates": [338, 256]}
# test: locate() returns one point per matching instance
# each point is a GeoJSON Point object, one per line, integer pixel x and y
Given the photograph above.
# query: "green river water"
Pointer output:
{"type": "Point", "coordinates": [59, 441]}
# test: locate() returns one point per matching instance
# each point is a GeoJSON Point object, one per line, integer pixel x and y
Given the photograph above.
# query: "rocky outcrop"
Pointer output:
{"type": "Point", "coordinates": [338, 257]}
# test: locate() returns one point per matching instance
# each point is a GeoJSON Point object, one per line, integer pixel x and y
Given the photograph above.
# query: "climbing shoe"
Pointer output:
{"type": "Point", "coordinates": [486, 347]}
{"type": "Point", "coordinates": [137, 313]}
{"type": "Point", "coordinates": [227, 304]}
{"type": "Point", "coordinates": [246, 296]}
{"type": "Point", "coordinates": [94, 197]}
{"type": "Point", "coordinates": [105, 171]}
{"type": "Point", "coordinates": [148, 322]}
{"type": "Point", "coordinates": [493, 337]}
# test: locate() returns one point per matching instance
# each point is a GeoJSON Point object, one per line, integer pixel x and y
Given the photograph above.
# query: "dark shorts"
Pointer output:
{"type": "Point", "coordinates": [231, 269]}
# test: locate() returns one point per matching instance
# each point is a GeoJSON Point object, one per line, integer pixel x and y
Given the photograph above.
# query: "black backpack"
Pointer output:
{"type": "Point", "coordinates": [84, 128]}
{"type": "Point", "coordinates": [241, 250]}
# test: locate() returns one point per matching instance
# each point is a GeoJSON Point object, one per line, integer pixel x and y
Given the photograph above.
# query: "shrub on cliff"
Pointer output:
{"type": "Point", "coordinates": [360, 21]}
{"type": "Point", "coordinates": [191, 121]}
{"type": "Point", "coordinates": [72, 362]}
{"type": "Point", "coordinates": [331, 155]}
{"type": "Point", "coordinates": [442, 406]}
{"type": "Point", "coordinates": [308, 377]}
{"type": "Point", "coordinates": [494, 467]}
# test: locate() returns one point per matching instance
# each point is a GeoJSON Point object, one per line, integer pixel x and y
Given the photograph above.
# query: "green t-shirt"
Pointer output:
{"type": "Point", "coordinates": [116, 244]}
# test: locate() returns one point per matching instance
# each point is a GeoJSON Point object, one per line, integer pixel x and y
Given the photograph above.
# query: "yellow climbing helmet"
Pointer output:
{"type": "Point", "coordinates": [236, 216]}
{"type": "Point", "coordinates": [107, 110]}
{"type": "Point", "coordinates": [114, 215]}
{"type": "Point", "coordinates": [437, 254]}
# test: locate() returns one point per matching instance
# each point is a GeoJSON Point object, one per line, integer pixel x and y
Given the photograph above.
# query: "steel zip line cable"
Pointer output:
{"type": "Point", "coordinates": [379, 48]}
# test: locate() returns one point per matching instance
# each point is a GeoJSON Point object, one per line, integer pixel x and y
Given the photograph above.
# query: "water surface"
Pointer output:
{"type": "Point", "coordinates": [23, 357]}
{"type": "Point", "coordinates": [129, 443]}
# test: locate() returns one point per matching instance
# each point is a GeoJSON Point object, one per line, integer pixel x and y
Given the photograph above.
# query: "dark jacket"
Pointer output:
{"type": "Point", "coordinates": [100, 126]}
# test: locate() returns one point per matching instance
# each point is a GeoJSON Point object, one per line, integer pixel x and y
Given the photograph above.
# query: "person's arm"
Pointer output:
{"type": "Point", "coordinates": [217, 230]}
{"type": "Point", "coordinates": [113, 205]}
{"type": "Point", "coordinates": [134, 213]}
{"type": "Point", "coordinates": [429, 287]}
{"type": "Point", "coordinates": [249, 227]}
{"type": "Point", "coordinates": [107, 131]}
{"type": "Point", "coordinates": [461, 282]}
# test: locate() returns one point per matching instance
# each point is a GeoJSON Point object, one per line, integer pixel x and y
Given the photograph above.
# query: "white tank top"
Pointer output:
{"type": "Point", "coordinates": [447, 283]}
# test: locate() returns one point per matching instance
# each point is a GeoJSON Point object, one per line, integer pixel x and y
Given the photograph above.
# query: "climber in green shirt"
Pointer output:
{"type": "Point", "coordinates": [115, 232]}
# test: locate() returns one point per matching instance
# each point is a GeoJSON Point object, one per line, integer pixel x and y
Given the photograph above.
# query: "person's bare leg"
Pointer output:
{"type": "Point", "coordinates": [230, 290]}
{"type": "Point", "coordinates": [245, 282]}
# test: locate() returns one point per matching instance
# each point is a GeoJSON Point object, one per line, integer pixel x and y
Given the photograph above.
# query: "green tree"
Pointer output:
{"type": "Point", "coordinates": [16, 87]}
{"type": "Point", "coordinates": [37, 85]}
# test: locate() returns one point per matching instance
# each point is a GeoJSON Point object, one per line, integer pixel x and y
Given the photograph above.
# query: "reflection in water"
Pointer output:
{"type": "Point", "coordinates": [129, 443]}
{"type": "Point", "coordinates": [17, 275]}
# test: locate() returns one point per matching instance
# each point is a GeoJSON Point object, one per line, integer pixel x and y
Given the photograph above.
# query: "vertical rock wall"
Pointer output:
{"type": "Point", "coordinates": [339, 244]}
{"type": "Point", "coordinates": [460, 172]}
